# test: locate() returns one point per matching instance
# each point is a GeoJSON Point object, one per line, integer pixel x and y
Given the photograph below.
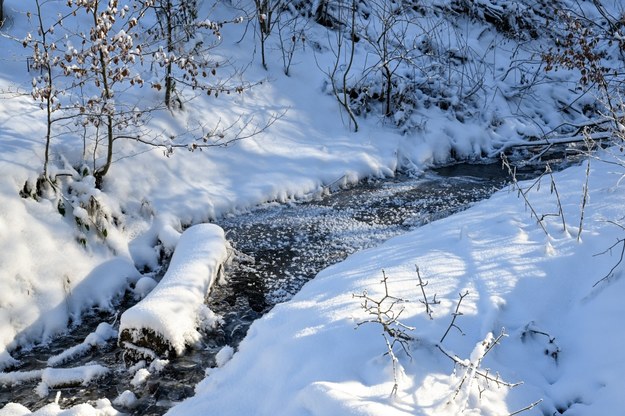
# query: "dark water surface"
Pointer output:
{"type": "Point", "coordinates": [279, 248]}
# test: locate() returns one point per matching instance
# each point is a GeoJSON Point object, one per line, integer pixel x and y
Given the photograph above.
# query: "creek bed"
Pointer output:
{"type": "Point", "coordinates": [279, 248]}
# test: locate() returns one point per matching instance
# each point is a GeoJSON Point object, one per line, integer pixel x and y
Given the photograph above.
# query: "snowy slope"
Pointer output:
{"type": "Point", "coordinates": [307, 356]}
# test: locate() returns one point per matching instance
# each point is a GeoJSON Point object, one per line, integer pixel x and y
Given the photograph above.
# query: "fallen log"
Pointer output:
{"type": "Point", "coordinates": [167, 320]}
{"type": "Point", "coordinates": [595, 137]}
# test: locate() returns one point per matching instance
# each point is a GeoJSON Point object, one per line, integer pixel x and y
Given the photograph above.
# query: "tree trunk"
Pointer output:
{"type": "Point", "coordinates": [169, 85]}
{"type": "Point", "coordinates": [1, 12]}
{"type": "Point", "coordinates": [107, 95]}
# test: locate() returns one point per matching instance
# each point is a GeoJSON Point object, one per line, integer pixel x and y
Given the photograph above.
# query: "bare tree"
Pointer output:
{"type": "Point", "coordinates": [43, 86]}
{"type": "Point", "coordinates": [344, 52]}
{"type": "Point", "coordinates": [175, 26]}
{"type": "Point", "coordinates": [387, 35]}
{"type": "Point", "coordinates": [291, 34]}
{"type": "Point", "coordinates": [88, 78]}
{"type": "Point", "coordinates": [267, 13]}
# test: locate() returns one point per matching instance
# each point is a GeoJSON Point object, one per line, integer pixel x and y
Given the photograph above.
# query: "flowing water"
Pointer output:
{"type": "Point", "coordinates": [279, 248]}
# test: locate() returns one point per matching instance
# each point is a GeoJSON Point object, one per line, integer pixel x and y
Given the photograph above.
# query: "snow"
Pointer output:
{"type": "Point", "coordinates": [144, 286]}
{"type": "Point", "coordinates": [102, 407]}
{"type": "Point", "coordinates": [172, 310]}
{"type": "Point", "coordinates": [14, 409]}
{"type": "Point", "coordinates": [60, 377]}
{"type": "Point", "coordinates": [16, 377]}
{"type": "Point", "coordinates": [126, 399]}
{"type": "Point", "coordinates": [140, 377]}
{"type": "Point", "coordinates": [224, 355]}
{"type": "Point", "coordinates": [307, 357]}
{"type": "Point", "coordinates": [310, 355]}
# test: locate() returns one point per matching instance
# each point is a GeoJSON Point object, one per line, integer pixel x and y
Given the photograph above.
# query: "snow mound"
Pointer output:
{"type": "Point", "coordinates": [127, 399]}
{"type": "Point", "coordinates": [167, 319]}
{"type": "Point", "coordinates": [64, 377]}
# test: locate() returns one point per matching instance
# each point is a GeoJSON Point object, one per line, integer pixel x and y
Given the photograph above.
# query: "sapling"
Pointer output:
{"type": "Point", "coordinates": [291, 33]}
{"type": "Point", "coordinates": [267, 13]}
{"type": "Point", "coordinates": [338, 80]}
{"type": "Point", "coordinates": [384, 313]}
{"type": "Point", "coordinates": [523, 192]}
{"type": "Point", "coordinates": [89, 66]}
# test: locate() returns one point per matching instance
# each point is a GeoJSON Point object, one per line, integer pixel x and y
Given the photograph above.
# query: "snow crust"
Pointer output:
{"type": "Point", "coordinates": [172, 310]}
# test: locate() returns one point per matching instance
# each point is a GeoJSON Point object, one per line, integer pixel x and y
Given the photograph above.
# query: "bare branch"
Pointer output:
{"type": "Point", "coordinates": [620, 241]}
{"type": "Point", "coordinates": [428, 303]}
{"type": "Point", "coordinates": [522, 192]}
{"type": "Point", "coordinates": [482, 373]}
{"type": "Point", "coordinates": [383, 312]}
{"type": "Point", "coordinates": [526, 408]}
{"type": "Point", "coordinates": [455, 315]}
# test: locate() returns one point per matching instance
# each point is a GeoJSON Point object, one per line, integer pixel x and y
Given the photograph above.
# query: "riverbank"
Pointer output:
{"type": "Point", "coordinates": [555, 298]}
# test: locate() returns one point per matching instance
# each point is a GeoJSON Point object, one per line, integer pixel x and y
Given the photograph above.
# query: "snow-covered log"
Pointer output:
{"type": "Point", "coordinates": [167, 320]}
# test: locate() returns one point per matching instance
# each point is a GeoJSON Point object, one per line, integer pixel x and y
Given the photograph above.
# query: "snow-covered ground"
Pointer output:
{"type": "Point", "coordinates": [307, 356]}
{"type": "Point", "coordinates": [312, 355]}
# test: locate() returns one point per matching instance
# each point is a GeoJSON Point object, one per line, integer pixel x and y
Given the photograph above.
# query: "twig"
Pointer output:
{"type": "Point", "coordinates": [454, 315]}
{"type": "Point", "coordinates": [620, 260]}
{"type": "Point", "coordinates": [484, 374]}
{"type": "Point", "coordinates": [383, 313]}
{"type": "Point", "coordinates": [425, 301]}
{"type": "Point", "coordinates": [394, 361]}
{"type": "Point", "coordinates": [473, 368]}
{"type": "Point", "coordinates": [584, 201]}
{"type": "Point", "coordinates": [521, 192]}
{"type": "Point", "coordinates": [526, 408]}
{"type": "Point", "coordinates": [554, 189]}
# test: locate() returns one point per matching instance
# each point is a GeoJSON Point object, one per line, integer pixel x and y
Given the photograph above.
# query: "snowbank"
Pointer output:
{"type": "Point", "coordinates": [307, 357]}
{"type": "Point", "coordinates": [167, 320]}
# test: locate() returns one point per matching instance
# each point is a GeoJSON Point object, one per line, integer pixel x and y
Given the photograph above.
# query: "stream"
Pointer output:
{"type": "Point", "coordinates": [279, 248]}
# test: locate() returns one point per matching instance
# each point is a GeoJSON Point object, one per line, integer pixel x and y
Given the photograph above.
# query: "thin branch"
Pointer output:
{"type": "Point", "coordinates": [484, 374]}
{"type": "Point", "coordinates": [455, 315]}
{"type": "Point", "coordinates": [584, 200]}
{"type": "Point", "coordinates": [522, 192]}
{"type": "Point", "coordinates": [620, 260]}
{"type": "Point", "coordinates": [425, 301]}
{"type": "Point", "coordinates": [554, 189]}
{"type": "Point", "coordinates": [526, 408]}
{"type": "Point", "coordinates": [383, 312]}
